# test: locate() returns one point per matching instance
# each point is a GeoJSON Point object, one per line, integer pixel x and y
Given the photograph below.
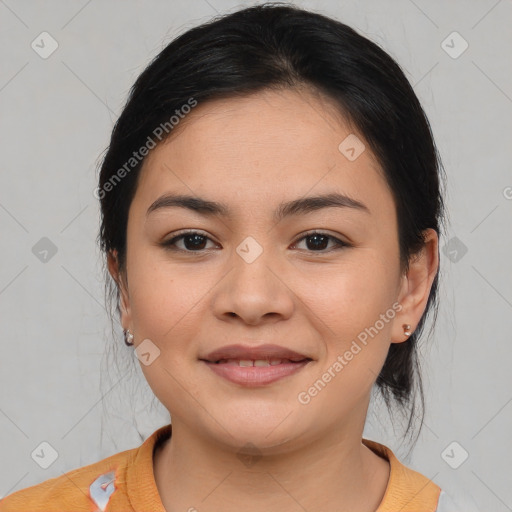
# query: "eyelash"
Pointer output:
{"type": "Point", "coordinates": [170, 244]}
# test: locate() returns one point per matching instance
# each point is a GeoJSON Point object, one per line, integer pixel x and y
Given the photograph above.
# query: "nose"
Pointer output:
{"type": "Point", "coordinates": [254, 291]}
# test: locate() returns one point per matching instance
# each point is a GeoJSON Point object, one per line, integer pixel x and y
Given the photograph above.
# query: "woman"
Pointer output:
{"type": "Point", "coordinates": [271, 209]}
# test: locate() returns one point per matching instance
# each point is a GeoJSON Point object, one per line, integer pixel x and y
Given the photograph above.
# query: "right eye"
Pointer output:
{"type": "Point", "coordinates": [193, 241]}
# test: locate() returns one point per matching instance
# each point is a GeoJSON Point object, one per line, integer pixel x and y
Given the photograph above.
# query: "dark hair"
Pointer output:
{"type": "Point", "coordinates": [281, 46]}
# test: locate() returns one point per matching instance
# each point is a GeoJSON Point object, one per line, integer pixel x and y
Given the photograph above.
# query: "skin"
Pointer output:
{"type": "Point", "coordinates": [253, 153]}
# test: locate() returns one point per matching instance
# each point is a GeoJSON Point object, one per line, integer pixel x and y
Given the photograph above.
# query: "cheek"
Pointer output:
{"type": "Point", "coordinates": [165, 299]}
{"type": "Point", "coordinates": [166, 309]}
{"type": "Point", "coordinates": [348, 297]}
{"type": "Point", "coordinates": [356, 343]}
{"type": "Point", "coordinates": [353, 312]}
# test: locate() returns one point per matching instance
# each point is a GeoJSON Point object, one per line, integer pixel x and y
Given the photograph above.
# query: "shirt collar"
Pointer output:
{"type": "Point", "coordinates": [144, 496]}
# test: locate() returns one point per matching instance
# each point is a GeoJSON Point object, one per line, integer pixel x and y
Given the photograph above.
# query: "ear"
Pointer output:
{"type": "Point", "coordinates": [122, 285]}
{"type": "Point", "coordinates": [415, 286]}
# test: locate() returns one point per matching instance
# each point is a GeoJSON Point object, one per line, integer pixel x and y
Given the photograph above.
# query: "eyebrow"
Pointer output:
{"type": "Point", "coordinates": [300, 206]}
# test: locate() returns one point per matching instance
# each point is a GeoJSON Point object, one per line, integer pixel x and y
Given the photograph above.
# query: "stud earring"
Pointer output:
{"type": "Point", "coordinates": [128, 337]}
{"type": "Point", "coordinates": [407, 329]}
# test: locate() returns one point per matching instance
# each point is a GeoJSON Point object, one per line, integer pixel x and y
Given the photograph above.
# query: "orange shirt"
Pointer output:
{"type": "Point", "coordinates": [124, 482]}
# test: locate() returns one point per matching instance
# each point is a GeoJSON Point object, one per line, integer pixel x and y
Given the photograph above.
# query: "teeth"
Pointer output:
{"type": "Point", "coordinates": [252, 362]}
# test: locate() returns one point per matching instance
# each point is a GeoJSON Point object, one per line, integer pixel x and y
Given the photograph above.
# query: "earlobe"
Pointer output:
{"type": "Point", "coordinates": [416, 286]}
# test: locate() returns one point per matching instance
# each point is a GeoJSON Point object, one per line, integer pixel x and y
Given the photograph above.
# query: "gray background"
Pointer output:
{"type": "Point", "coordinates": [59, 382]}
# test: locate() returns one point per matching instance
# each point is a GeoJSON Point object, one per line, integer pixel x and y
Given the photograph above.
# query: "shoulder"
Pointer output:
{"type": "Point", "coordinates": [407, 490]}
{"type": "Point", "coordinates": [74, 490]}
{"type": "Point", "coordinates": [410, 491]}
{"type": "Point", "coordinates": [123, 481]}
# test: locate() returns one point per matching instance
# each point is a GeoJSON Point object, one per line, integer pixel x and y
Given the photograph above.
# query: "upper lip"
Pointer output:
{"type": "Point", "coordinates": [246, 352]}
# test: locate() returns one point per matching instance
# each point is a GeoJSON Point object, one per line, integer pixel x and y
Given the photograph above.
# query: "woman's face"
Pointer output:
{"type": "Point", "coordinates": [252, 276]}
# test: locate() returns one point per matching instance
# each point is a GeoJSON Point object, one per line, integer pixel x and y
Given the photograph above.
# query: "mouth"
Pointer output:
{"type": "Point", "coordinates": [258, 362]}
{"type": "Point", "coordinates": [255, 366]}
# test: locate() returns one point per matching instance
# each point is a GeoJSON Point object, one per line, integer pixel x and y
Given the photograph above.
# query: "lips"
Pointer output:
{"type": "Point", "coordinates": [255, 366]}
{"type": "Point", "coordinates": [260, 354]}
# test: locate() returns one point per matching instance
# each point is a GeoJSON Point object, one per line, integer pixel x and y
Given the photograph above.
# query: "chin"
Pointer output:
{"type": "Point", "coordinates": [268, 428]}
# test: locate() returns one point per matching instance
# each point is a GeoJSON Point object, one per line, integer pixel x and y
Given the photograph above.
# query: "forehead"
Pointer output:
{"type": "Point", "coordinates": [262, 149]}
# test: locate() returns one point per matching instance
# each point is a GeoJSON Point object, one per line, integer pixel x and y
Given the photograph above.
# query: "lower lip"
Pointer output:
{"type": "Point", "coordinates": [254, 376]}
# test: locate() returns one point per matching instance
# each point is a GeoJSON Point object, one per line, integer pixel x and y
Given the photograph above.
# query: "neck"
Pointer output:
{"type": "Point", "coordinates": [336, 472]}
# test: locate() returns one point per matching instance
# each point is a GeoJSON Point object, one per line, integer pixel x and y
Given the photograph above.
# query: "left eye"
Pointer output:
{"type": "Point", "coordinates": [317, 241]}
